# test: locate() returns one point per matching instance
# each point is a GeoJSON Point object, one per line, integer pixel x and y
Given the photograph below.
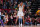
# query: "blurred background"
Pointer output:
{"type": "Point", "coordinates": [9, 10]}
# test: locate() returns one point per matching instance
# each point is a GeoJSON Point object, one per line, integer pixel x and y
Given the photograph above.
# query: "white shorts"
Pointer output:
{"type": "Point", "coordinates": [20, 14]}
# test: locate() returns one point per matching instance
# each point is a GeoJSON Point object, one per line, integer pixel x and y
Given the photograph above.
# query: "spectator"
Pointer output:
{"type": "Point", "coordinates": [28, 20]}
{"type": "Point", "coordinates": [4, 7]}
{"type": "Point", "coordinates": [1, 4]}
{"type": "Point", "coordinates": [11, 17]}
{"type": "Point", "coordinates": [14, 17]}
{"type": "Point", "coordinates": [6, 18]}
{"type": "Point", "coordinates": [12, 1]}
{"type": "Point", "coordinates": [38, 12]}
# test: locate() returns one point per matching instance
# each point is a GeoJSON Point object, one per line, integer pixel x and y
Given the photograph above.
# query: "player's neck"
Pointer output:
{"type": "Point", "coordinates": [21, 5]}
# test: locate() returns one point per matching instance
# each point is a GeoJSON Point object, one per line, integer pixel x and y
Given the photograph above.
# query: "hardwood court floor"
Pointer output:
{"type": "Point", "coordinates": [20, 26]}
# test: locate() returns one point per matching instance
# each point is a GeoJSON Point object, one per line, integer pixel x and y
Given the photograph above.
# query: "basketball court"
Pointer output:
{"type": "Point", "coordinates": [21, 26]}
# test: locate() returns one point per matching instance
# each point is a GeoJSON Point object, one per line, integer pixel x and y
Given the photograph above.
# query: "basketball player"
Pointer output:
{"type": "Point", "coordinates": [20, 14]}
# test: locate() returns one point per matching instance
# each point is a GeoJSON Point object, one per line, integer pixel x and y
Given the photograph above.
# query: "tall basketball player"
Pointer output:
{"type": "Point", "coordinates": [20, 14]}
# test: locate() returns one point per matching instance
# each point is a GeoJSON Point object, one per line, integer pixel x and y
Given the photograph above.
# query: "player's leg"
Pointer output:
{"type": "Point", "coordinates": [22, 14]}
{"type": "Point", "coordinates": [21, 22]}
{"type": "Point", "coordinates": [23, 19]}
{"type": "Point", "coordinates": [17, 19]}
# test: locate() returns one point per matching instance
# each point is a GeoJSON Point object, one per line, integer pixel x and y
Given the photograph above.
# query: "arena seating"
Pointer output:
{"type": "Point", "coordinates": [34, 7]}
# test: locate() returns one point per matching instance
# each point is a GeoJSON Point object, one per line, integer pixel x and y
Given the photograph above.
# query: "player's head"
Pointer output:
{"type": "Point", "coordinates": [21, 2]}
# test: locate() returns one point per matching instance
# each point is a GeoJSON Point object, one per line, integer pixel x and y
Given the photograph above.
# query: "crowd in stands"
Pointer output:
{"type": "Point", "coordinates": [10, 4]}
{"type": "Point", "coordinates": [8, 15]}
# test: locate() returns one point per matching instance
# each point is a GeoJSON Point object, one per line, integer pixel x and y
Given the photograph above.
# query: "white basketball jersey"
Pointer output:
{"type": "Point", "coordinates": [20, 12]}
{"type": "Point", "coordinates": [20, 8]}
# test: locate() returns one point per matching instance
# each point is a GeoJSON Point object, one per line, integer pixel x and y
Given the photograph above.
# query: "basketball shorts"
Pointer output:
{"type": "Point", "coordinates": [20, 14]}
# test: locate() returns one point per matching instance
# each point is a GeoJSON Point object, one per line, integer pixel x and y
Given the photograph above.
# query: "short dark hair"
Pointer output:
{"type": "Point", "coordinates": [21, 1]}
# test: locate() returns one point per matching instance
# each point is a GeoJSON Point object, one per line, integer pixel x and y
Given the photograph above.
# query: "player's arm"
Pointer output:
{"type": "Point", "coordinates": [23, 11]}
{"type": "Point", "coordinates": [18, 5]}
{"type": "Point", "coordinates": [23, 7]}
